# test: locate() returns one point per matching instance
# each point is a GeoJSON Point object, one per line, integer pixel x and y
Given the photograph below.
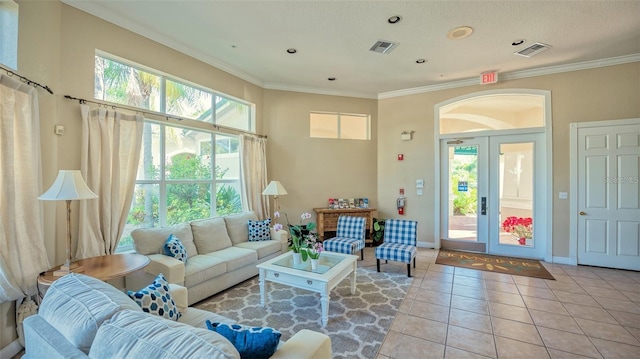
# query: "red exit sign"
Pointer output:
{"type": "Point", "coordinates": [488, 78]}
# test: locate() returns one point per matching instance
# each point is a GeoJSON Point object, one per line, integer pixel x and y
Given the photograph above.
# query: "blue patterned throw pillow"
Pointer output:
{"type": "Point", "coordinates": [155, 299]}
{"type": "Point", "coordinates": [251, 342]}
{"type": "Point", "coordinates": [174, 248]}
{"type": "Point", "coordinates": [260, 230]}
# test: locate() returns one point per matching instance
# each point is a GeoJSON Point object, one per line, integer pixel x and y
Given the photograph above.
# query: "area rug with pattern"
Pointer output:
{"type": "Point", "coordinates": [491, 263]}
{"type": "Point", "coordinates": [358, 323]}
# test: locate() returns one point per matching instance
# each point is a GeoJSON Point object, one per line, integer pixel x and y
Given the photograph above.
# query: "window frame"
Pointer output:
{"type": "Point", "coordinates": [251, 107]}
{"type": "Point", "coordinates": [162, 182]}
{"type": "Point", "coordinates": [338, 133]}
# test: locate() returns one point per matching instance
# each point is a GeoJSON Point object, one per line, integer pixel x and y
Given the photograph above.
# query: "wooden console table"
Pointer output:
{"type": "Point", "coordinates": [328, 218]}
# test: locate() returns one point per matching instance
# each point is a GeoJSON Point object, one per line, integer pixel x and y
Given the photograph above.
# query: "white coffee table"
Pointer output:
{"type": "Point", "coordinates": [332, 269]}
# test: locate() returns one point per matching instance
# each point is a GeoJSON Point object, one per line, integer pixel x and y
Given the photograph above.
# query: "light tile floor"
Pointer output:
{"type": "Point", "coordinates": [449, 312]}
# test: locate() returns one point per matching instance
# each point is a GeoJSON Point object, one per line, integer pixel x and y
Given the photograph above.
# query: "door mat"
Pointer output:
{"type": "Point", "coordinates": [491, 263]}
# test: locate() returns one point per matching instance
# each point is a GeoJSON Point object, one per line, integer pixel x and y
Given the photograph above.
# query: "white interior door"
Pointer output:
{"type": "Point", "coordinates": [608, 196]}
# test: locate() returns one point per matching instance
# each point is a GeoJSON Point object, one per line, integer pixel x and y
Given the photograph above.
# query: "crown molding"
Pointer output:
{"type": "Point", "coordinates": [317, 91]}
{"type": "Point", "coordinates": [542, 71]}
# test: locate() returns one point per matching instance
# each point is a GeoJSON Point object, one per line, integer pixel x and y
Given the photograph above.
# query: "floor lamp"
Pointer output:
{"type": "Point", "coordinates": [275, 189]}
{"type": "Point", "coordinates": [68, 186]}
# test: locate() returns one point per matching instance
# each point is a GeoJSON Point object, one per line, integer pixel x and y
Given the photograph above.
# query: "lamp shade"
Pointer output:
{"type": "Point", "coordinates": [274, 188]}
{"type": "Point", "coordinates": [69, 185]}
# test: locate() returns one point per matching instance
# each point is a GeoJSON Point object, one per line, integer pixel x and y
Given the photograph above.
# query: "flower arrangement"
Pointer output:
{"type": "Point", "coordinates": [301, 235]}
{"type": "Point", "coordinates": [521, 228]}
{"type": "Point", "coordinates": [314, 248]}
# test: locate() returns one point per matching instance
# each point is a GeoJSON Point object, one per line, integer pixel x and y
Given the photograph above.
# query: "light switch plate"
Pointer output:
{"type": "Point", "coordinates": [58, 130]}
{"type": "Point", "coordinates": [563, 195]}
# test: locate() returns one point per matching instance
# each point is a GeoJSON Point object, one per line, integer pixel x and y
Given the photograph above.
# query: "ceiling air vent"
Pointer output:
{"type": "Point", "coordinates": [383, 47]}
{"type": "Point", "coordinates": [532, 50]}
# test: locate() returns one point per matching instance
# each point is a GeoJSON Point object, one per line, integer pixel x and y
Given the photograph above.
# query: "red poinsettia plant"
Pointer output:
{"type": "Point", "coordinates": [519, 227]}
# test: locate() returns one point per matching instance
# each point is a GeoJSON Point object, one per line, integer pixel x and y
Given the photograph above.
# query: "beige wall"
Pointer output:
{"type": "Point", "coordinates": [314, 169]}
{"type": "Point", "coordinates": [590, 95]}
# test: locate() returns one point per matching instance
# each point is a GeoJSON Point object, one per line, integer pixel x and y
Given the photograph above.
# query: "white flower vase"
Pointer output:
{"type": "Point", "coordinates": [314, 264]}
{"type": "Point", "coordinates": [297, 258]}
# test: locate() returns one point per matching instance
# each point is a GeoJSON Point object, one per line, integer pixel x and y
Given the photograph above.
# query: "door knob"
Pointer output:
{"type": "Point", "coordinates": [582, 213]}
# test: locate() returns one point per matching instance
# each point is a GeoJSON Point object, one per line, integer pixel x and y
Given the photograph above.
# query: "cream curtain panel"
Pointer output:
{"type": "Point", "coordinates": [254, 174]}
{"type": "Point", "coordinates": [110, 152]}
{"type": "Point", "coordinates": [22, 252]}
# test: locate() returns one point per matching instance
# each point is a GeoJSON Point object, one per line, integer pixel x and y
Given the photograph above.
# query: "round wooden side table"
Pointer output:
{"type": "Point", "coordinates": [105, 268]}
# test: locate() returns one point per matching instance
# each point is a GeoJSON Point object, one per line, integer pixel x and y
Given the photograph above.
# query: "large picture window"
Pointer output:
{"type": "Point", "coordinates": [9, 34]}
{"type": "Point", "coordinates": [181, 178]}
{"type": "Point", "coordinates": [184, 173]}
{"type": "Point", "coordinates": [133, 85]}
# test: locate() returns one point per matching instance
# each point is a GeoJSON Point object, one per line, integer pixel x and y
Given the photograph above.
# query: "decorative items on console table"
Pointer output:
{"type": "Point", "coordinates": [68, 186]}
{"type": "Point", "coordinates": [521, 228]}
{"type": "Point", "coordinates": [328, 219]}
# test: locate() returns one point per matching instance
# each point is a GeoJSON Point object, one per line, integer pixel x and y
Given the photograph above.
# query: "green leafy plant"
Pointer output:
{"type": "Point", "coordinates": [377, 232]}
{"type": "Point", "coordinates": [302, 234]}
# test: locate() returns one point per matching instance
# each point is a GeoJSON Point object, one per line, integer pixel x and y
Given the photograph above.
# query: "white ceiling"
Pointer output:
{"type": "Point", "coordinates": [249, 38]}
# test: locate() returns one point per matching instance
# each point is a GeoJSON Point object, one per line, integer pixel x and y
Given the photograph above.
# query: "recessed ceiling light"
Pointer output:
{"type": "Point", "coordinates": [331, 79]}
{"type": "Point", "coordinates": [394, 19]}
{"type": "Point", "coordinates": [292, 51]}
{"type": "Point", "coordinates": [517, 42]}
{"type": "Point", "coordinates": [459, 32]}
{"type": "Point", "coordinates": [420, 61]}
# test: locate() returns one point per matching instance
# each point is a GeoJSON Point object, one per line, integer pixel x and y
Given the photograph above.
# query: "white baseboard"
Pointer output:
{"type": "Point", "coordinates": [426, 245]}
{"type": "Point", "coordinates": [10, 350]}
{"type": "Point", "coordinates": [565, 260]}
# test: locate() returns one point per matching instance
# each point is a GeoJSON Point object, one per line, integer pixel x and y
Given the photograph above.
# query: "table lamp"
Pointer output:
{"type": "Point", "coordinates": [68, 186]}
{"type": "Point", "coordinates": [275, 189]}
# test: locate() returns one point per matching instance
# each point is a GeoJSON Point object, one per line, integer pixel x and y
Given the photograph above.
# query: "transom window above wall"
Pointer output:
{"type": "Point", "coordinates": [122, 82]}
{"type": "Point", "coordinates": [488, 112]}
{"type": "Point", "coordinates": [339, 125]}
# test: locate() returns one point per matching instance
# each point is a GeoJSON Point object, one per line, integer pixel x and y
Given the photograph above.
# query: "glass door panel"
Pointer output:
{"type": "Point", "coordinates": [516, 194]}
{"type": "Point", "coordinates": [463, 192]}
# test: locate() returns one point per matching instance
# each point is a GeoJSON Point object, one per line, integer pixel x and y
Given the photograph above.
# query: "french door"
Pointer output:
{"type": "Point", "coordinates": [493, 194]}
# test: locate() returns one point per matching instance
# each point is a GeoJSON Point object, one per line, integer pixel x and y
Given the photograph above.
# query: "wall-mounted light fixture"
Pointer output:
{"type": "Point", "coordinates": [406, 135]}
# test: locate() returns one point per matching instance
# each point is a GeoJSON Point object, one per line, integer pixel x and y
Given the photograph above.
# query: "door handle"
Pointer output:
{"type": "Point", "coordinates": [483, 206]}
{"type": "Point", "coordinates": [582, 213]}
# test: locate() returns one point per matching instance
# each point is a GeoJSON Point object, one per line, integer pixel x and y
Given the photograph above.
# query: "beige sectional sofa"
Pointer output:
{"type": "Point", "coordinates": [219, 254]}
{"type": "Point", "coordinates": [83, 317]}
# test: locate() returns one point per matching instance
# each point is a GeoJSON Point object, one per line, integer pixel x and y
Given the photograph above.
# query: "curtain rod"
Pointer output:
{"type": "Point", "coordinates": [158, 114]}
{"type": "Point", "coordinates": [25, 80]}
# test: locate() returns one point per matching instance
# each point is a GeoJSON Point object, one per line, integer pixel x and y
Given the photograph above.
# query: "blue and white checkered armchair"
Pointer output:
{"type": "Point", "coordinates": [349, 237]}
{"type": "Point", "coordinates": [400, 241]}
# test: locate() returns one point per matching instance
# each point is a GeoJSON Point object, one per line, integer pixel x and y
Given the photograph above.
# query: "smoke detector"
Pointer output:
{"type": "Point", "coordinates": [383, 46]}
{"type": "Point", "coordinates": [533, 50]}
